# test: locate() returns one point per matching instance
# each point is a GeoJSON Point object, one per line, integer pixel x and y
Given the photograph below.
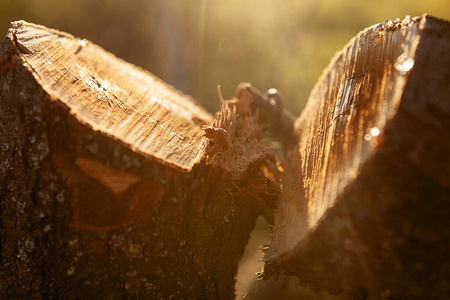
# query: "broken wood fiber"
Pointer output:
{"type": "Point", "coordinates": [365, 204]}
{"type": "Point", "coordinates": [106, 189]}
{"type": "Point", "coordinates": [115, 184]}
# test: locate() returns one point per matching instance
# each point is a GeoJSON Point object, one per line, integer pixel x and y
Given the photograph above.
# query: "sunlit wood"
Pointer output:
{"type": "Point", "coordinates": [364, 207]}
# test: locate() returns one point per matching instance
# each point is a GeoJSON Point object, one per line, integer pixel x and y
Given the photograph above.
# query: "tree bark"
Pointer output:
{"type": "Point", "coordinates": [114, 184]}
{"type": "Point", "coordinates": [109, 187]}
{"type": "Point", "coordinates": [365, 207]}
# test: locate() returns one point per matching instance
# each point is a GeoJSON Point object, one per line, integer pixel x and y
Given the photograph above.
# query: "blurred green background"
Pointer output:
{"type": "Point", "coordinates": [197, 44]}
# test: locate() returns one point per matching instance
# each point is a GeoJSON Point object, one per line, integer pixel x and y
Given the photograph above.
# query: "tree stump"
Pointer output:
{"type": "Point", "coordinates": [110, 188]}
{"type": "Point", "coordinates": [114, 184]}
{"type": "Point", "coordinates": [365, 205]}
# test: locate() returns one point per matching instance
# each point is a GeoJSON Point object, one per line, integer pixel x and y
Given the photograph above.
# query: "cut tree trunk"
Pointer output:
{"type": "Point", "coordinates": [366, 197]}
{"type": "Point", "coordinates": [114, 184]}
{"type": "Point", "coordinates": [109, 188]}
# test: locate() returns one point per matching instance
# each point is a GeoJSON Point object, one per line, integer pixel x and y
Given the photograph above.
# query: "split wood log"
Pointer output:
{"type": "Point", "coordinates": [110, 188]}
{"type": "Point", "coordinates": [366, 197]}
{"type": "Point", "coordinates": [113, 184]}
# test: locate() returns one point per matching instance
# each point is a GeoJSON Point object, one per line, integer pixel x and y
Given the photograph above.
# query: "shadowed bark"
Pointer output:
{"type": "Point", "coordinates": [365, 206]}
{"type": "Point", "coordinates": [114, 184]}
{"type": "Point", "coordinates": [109, 187]}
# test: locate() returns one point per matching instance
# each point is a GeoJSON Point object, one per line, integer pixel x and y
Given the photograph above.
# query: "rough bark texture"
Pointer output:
{"type": "Point", "coordinates": [115, 185]}
{"type": "Point", "coordinates": [108, 188]}
{"type": "Point", "coordinates": [365, 206]}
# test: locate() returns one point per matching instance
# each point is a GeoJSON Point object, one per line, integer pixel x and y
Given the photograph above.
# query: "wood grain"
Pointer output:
{"type": "Point", "coordinates": [366, 186]}
{"type": "Point", "coordinates": [105, 190]}
{"type": "Point", "coordinates": [113, 96]}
